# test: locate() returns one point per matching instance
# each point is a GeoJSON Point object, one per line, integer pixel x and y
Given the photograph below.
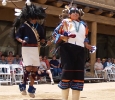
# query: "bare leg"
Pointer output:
{"type": "Point", "coordinates": [34, 69]}
{"type": "Point", "coordinates": [75, 94]}
{"type": "Point", "coordinates": [65, 94]}
{"type": "Point", "coordinates": [50, 75]}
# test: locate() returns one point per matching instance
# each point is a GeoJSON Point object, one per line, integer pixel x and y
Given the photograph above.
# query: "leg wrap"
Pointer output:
{"type": "Point", "coordinates": [26, 75]}
{"type": "Point", "coordinates": [33, 74]}
{"type": "Point", "coordinates": [71, 84]}
{"type": "Point", "coordinates": [77, 86]}
{"type": "Point", "coordinates": [22, 87]}
{"type": "Point", "coordinates": [31, 89]}
{"type": "Point", "coordinates": [64, 85]}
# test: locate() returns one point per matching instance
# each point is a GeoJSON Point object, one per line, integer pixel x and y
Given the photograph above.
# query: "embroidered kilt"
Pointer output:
{"type": "Point", "coordinates": [73, 61]}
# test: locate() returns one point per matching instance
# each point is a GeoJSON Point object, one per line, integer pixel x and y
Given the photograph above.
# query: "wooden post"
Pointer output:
{"type": "Point", "coordinates": [93, 43]}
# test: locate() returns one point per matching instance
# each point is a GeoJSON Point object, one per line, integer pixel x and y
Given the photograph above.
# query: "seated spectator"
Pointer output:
{"type": "Point", "coordinates": [113, 64]}
{"type": "Point", "coordinates": [46, 61]}
{"type": "Point", "coordinates": [54, 63]}
{"type": "Point", "coordinates": [112, 60]}
{"type": "Point", "coordinates": [10, 58]}
{"type": "Point", "coordinates": [87, 65]}
{"type": "Point", "coordinates": [109, 63]}
{"type": "Point", "coordinates": [17, 59]}
{"type": "Point", "coordinates": [104, 63]}
{"type": "Point", "coordinates": [98, 67]}
{"type": "Point", "coordinates": [43, 70]}
{"type": "Point", "coordinates": [0, 55]}
{"type": "Point", "coordinates": [3, 61]}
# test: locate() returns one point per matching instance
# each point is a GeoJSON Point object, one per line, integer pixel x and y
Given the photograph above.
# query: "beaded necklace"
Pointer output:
{"type": "Point", "coordinates": [36, 26]}
{"type": "Point", "coordinates": [77, 27]}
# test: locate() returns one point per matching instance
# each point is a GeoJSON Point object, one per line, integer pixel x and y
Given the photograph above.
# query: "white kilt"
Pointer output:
{"type": "Point", "coordinates": [30, 56]}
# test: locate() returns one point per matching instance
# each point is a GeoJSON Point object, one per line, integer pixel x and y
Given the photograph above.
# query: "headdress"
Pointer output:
{"type": "Point", "coordinates": [29, 11]}
{"type": "Point", "coordinates": [70, 9]}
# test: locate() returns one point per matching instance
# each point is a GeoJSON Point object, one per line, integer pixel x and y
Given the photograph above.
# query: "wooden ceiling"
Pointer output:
{"type": "Point", "coordinates": [87, 6]}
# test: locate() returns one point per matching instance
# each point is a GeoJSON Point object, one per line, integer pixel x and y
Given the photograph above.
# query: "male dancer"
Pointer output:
{"type": "Point", "coordinates": [30, 34]}
{"type": "Point", "coordinates": [72, 31]}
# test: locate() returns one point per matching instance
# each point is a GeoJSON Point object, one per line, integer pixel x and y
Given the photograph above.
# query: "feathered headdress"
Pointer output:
{"type": "Point", "coordinates": [69, 9]}
{"type": "Point", "coordinates": [29, 11]}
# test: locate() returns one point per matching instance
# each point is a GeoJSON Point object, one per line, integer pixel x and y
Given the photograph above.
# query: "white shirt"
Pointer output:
{"type": "Point", "coordinates": [98, 66]}
{"type": "Point", "coordinates": [80, 35]}
{"type": "Point", "coordinates": [42, 66]}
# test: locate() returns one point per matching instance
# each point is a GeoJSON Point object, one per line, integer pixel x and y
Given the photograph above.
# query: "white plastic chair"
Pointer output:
{"type": "Point", "coordinates": [111, 74]}
{"type": "Point", "coordinates": [6, 75]}
{"type": "Point", "coordinates": [18, 73]}
{"type": "Point", "coordinates": [99, 74]}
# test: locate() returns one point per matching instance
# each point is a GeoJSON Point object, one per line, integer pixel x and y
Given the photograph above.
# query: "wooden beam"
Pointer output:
{"type": "Point", "coordinates": [109, 14]}
{"type": "Point", "coordinates": [57, 11]}
{"type": "Point", "coordinates": [51, 9]}
{"type": "Point", "coordinates": [41, 1]}
{"type": "Point", "coordinates": [99, 19]}
{"type": "Point", "coordinates": [95, 4]}
{"type": "Point", "coordinates": [98, 12]}
{"type": "Point", "coordinates": [57, 3]}
{"type": "Point", "coordinates": [86, 9]}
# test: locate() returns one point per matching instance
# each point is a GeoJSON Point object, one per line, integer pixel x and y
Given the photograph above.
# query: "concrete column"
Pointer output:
{"type": "Point", "coordinates": [93, 43]}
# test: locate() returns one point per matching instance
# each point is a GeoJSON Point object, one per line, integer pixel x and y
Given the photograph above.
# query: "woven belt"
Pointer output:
{"type": "Point", "coordinates": [29, 45]}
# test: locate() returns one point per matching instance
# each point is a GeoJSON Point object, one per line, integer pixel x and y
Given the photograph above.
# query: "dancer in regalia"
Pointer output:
{"type": "Point", "coordinates": [71, 34]}
{"type": "Point", "coordinates": [30, 33]}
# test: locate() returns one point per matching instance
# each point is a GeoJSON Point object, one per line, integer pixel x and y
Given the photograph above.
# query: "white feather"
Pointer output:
{"type": "Point", "coordinates": [18, 10]}
{"type": "Point", "coordinates": [17, 14]}
{"type": "Point", "coordinates": [28, 2]}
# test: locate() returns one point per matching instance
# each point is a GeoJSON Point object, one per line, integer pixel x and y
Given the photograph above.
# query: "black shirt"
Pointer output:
{"type": "Point", "coordinates": [26, 31]}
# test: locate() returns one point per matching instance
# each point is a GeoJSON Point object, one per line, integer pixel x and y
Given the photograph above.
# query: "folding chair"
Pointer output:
{"type": "Point", "coordinates": [99, 74]}
{"type": "Point", "coordinates": [111, 74]}
{"type": "Point", "coordinates": [5, 75]}
{"type": "Point", "coordinates": [17, 73]}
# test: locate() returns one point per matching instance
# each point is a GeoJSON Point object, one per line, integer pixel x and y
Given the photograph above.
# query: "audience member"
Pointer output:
{"type": "Point", "coordinates": [17, 59]}
{"type": "Point", "coordinates": [46, 61]}
{"type": "Point", "coordinates": [113, 64]}
{"type": "Point", "coordinates": [10, 58]}
{"type": "Point", "coordinates": [0, 54]}
{"type": "Point", "coordinates": [104, 63]}
{"type": "Point", "coordinates": [100, 69]}
{"type": "Point", "coordinates": [54, 63]}
{"type": "Point", "coordinates": [109, 63]}
{"type": "Point", "coordinates": [43, 70]}
{"type": "Point", "coordinates": [87, 65]}
{"type": "Point", "coordinates": [3, 61]}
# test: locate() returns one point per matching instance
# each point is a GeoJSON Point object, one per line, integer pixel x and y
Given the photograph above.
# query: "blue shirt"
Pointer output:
{"type": "Point", "coordinates": [54, 62]}
{"type": "Point", "coordinates": [26, 31]}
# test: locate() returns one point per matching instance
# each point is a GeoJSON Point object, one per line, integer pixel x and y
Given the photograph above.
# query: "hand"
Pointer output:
{"type": "Point", "coordinates": [88, 46]}
{"type": "Point", "coordinates": [23, 42]}
{"type": "Point", "coordinates": [49, 43]}
{"type": "Point", "coordinates": [93, 49]}
{"type": "Point", "coordinates": [64, 38]}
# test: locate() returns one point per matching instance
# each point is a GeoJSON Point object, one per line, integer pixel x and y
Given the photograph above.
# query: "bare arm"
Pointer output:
{"type": "Point", "coordinates": [88, 46]}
